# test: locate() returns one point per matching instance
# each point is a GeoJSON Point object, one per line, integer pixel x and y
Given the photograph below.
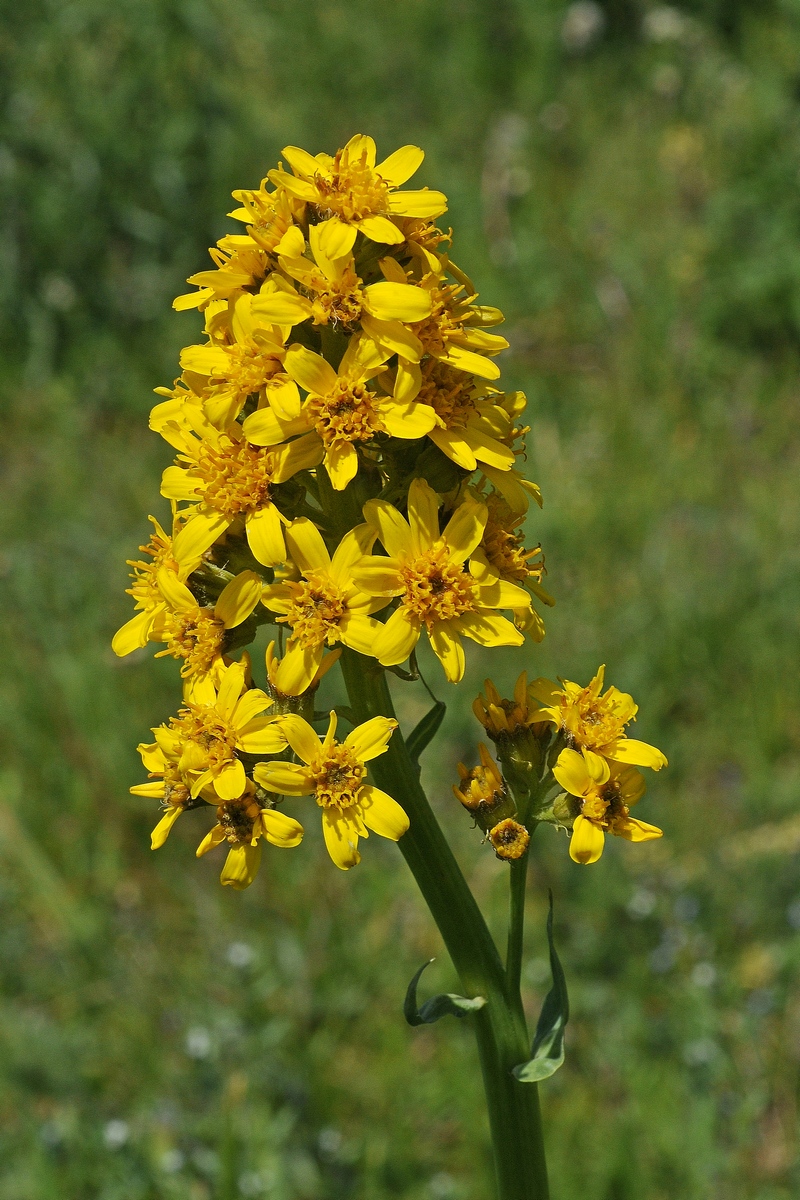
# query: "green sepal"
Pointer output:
{"type": "Point", "coordinates": [444, 1005]}
{"type": "Point", "coordinates": [425, 731]}
{"type": "Point", "coordinates": [547, 1051]}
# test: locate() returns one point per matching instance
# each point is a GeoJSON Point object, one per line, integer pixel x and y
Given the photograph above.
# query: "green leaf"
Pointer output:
{"type": "Point", "coordinates": [444, 1005]}
{"type": "Point", "coordinates": [547, 1051]}
{"type": "Point", "coordinates": [427, 729]}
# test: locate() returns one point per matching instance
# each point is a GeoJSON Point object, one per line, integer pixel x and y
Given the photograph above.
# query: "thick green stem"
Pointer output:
{"type": "Point", "coordinates": [500, 1026]}
{"type": "Point", "coordinates": [516, 922]}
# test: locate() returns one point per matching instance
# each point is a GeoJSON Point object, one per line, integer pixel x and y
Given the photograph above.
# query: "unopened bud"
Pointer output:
{"type": "Point", "coordinates": [482, 790]}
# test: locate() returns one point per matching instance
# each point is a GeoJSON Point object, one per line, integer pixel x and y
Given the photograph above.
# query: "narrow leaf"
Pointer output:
{"type": "Point", "coordinates": [427, 729]}
{"type": "Point", "coordinates": [444, 1005]}
{"type": "Point", "coordinates": [547, 1051]}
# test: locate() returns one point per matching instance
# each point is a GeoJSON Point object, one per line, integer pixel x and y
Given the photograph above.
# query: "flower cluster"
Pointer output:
{"type": "Point", "coordinates": [586, 753]}
{"type": "Point", "coordinates": [346, 471]}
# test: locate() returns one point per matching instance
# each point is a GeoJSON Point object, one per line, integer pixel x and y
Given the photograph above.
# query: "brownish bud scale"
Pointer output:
{"type": "Point", "coordinates": [510, 839]}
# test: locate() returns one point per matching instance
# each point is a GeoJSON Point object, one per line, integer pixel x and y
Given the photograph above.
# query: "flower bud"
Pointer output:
{"type": "Point", "coordinates": [510, 839]}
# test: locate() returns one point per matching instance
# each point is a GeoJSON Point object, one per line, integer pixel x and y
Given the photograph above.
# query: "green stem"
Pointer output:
{"type": "Point", "coordinates": [500, 1029]}
{"type": "Point", "coordinates": [518, 878]}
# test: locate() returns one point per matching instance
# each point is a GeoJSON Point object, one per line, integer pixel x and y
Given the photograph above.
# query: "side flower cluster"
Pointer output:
{"type": "Point", "coordinates": [347, 471]}
{"type": "Point", "coordinates": [561, 736]}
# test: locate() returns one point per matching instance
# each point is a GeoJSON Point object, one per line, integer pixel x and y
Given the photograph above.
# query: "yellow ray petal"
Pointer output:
{"type": "Point", "coordinates": [381, 813]}
{"type": "Point", "coordinates": [336, 238]}
{"type": "Point", "coordinates": [309, 370]}
{"type": "Point", "coordinates": [452, 443]}
{"type": "Point", "coordinates": [161, 831]}
{"type": "Point", "coordinates": [287, 779]}
{"type": "Point", "coordinates": [283, 398]}
{"type": "Point", "coordinates": [134, 633]}
{"type": "Point", "coordinates": [341, 839]}
{"type": "Point", "coordinates": [422, 203]}
{"type": "Point", "coordinates": [397, 639]}
{"type": "Point", "coordinates": [371, 738]}
{"type": "Point", "coordinates": [394, 338]}
{"type": "Point", "coordinates": [351, 550]}
{"type": "Point", "coordinates": [282, 308]}
{"type": "Point", "coordinates": [241, 866]}
{"type": "Point", "coordinates": [301, 737]}
{"type": "Point", "coordinates": [468, 360]}
{"type": "Point", "coordinates": [297, 668]}
{"type": "Point", "coordinates": [401, 165]}
{"type": "Point", "coordinates": [238, 599]}
{"type": "Point", "coordinates": [489, 629]}
{"type": "Point", "coordinates": [638, 754]}
{"type": "Point", "coordinates": [360, 149]}
{"type": "Point", "coordinates": [397, 301]}
{"type": "Point", "coordinates": [266, 428]}
{"type": "Point", "coordinates": [153, 791]}
{"type": "Point", "coordinates": [213, 838]}
{"type": "Point", "coordinates": [262, 735]}
{"type": "Point", "coordinates": [341, 463]}
{"type": "Point", "coordinates": [464, 530]}
{"type": "Point", "coordinates": [406, 420]}
{"type": "Point", "coordinates": [306, 546]}
{"type": "Point", "coordinates": [281, 830]}
{"type": "Point", "coordinates": [176, 594]}
{"type": "Point", "coordinates": [230, 689]}
{"type": "Point", "coordinates": [423, 516]}
{"type": "Point", "coordinates": [636, 831]}
{"type": "Point", "coordinates": [199, 532]}
{"type": "Point", "coordinates": [446, 645]}
{"type": "Point", "coordinates": [571, 772]}
{"type": "Point", "coordinates": [587, 841]}
{"type": "Point", "coordinates": [231, 781]}
{"type": "Point", "coordinates": [381, 230]}
{"type": "Point", "coordinates": [379, 576]}
{"type": "Point", "coordinates": [302, 163]}
{"type": "Point", "coordinates": [359, 632]}
{"type": "Point", "coordinates": [393, 529]}
{"type": "Point", "coordinates": [265, 536]}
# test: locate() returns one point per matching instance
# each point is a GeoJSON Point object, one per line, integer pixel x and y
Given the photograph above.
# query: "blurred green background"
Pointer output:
{"type": "Point", "coordinates": [624, 181]}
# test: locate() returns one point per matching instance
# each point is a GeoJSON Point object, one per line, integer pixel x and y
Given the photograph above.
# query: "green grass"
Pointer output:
{"type": "Point", "coordinates": [635, 209]}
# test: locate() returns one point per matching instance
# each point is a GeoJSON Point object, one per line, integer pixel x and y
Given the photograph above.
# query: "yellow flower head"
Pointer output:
{"type": "Point", "coordinates": [335, 773]}
{"type": "Point", "coordinates": [606, 792]}
{"type": "Point", "coordinates": [244, 358]}
{"type": "Point", "coordinates": [505, 718]}
{"type": "Point", "coordinates": [341, 409]}
{"type": "Point", "coordinates": [197, 754]}
{"type": "Point", "coordinates": [350, 194]}
{"type": "Point", "coordinates": [427, 571]}
{"type": "Point", "coordinates": [196, 633]}
{"type": "Point", "coordinates": [243, 260]}
{"type": "Point", "coordinates": [502, 555]}
{"type": "Point", "coordinates": [324, 607]}
{"type": "Point", "coordinates": [590, 719]}
{"type": "Point", "coordinates": [332, 293]}
{"type": "Point", "coordinates": [146, 593]}
{"type": "Point", "coordinates": [243, 823]}
{"type": "Point", "coordinates": [482, 788]}
{"type": "Point", "coordinates": [227, 479]}
{"type": "Point", "coordinates": [510, 839]}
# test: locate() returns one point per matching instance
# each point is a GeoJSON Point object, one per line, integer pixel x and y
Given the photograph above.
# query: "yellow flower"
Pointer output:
{"type": "Point", "coordinates": [454, 332]}
{"type": "Point", "coordinates": [242, 823]}
{"type": "Point", "coordinates": [501, 718]}
{"type": "Point", "coordinates": [145, 591]}
{"type": "Point", "coordinates": [243, 358]}
{"type": "Point", "coordinates": [606, 791]}
{"type": "Point", "coordinates": [196, 633]}
{"type": "Point", "coordinates": [352, 195]}
{"type": "Point", "coordinates": [502, 555]}
{"type": "Point", "coordinates": [594, 722]}
{"type": "Point", "coordinates": [469, 424]}
{"type": "Point", "coordinates": [324, 607]}
{"type": "Point", "coordinates": [196, 755]}
{"type": "Point", "coordinates": [341, 410]}
{"type": "Point", "coordinates": [334, 294]}
{"type": "Point", "coordinates": [227, 479]}
{"type": "Point", "coordinates": [427, 571]}
{"type": "Point", "coordinates": [481, 789]}
{"type": "Point", "coordinates": [243, 260]}
{"type": "Point", "coordinates": [335, 774]}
